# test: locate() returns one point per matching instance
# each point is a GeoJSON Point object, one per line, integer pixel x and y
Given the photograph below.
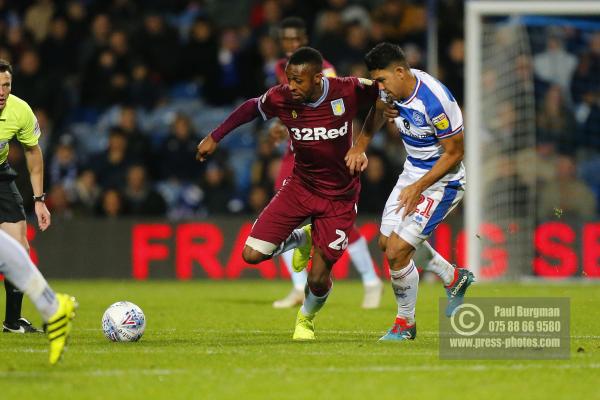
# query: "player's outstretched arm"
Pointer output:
{"type": "Point", "coordinates": [205, 148]}
{"type": "Point", "coordinates": [356, 159]}
{"type": "Point", "coordinates": [245, 113]}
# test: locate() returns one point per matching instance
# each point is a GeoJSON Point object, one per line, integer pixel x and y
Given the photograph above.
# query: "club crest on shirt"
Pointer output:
{"type": "Point", "coordinates": [294, 114]}
{"type": "Point", "coordinates": [441, 122]}
{"type": "Point", "coordinates": [338, 107]}
{"type": "Point", "coordinates": [418, 118]}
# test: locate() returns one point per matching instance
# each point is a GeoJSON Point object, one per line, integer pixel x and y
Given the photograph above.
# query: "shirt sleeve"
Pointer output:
{"type": "Point", "coordinates": [367, 91]}
{"type": "Point", "coordinates": [445, 115]}
{"type": "Point", "coordinates": [30, 132]}
{"type": "Point", "coordinates": [267, 103]}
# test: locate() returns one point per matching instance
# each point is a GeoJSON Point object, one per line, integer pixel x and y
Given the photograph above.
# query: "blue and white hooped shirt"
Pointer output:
{"type": "Point", "coordinates": [431, 113]}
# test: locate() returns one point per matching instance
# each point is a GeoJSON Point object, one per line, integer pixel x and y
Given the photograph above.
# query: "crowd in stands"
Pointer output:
{"type": "Point", "coordinates": [124, 90]}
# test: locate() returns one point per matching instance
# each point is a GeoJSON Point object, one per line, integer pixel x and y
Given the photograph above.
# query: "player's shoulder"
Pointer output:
{"type": "Point", "coordinates": [431, 91]}
{"type": "Point", "coordinates": [18, 106]}
{"type": "Point", "coordinates": [276, 94]}
{"type": "Point", "coordinates": [350, 82]}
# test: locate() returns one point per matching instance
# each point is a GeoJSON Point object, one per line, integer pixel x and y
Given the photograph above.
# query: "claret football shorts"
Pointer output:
{"type": "Point", "coordinates": [332, 220]}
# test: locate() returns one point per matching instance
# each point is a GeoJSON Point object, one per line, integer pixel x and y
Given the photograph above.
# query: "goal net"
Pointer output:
{"type": "Point", "coordinates": [509, 45]}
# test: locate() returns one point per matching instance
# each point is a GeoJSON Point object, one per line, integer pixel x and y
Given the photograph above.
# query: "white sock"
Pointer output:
{"type": "Point", "coordinates": [438, 264]}
{"type": "Point", "coordinates": [298, 278]}
{"type": "Point", "coordinates": [17, 267]}
{"type": "Point", "coordinates": [296, 239]}
{"type": "Point", "coordinates": [312, 303]}
{"type": "Point", "coordinates": [405, 284]}
{"type": "Point", "coordinates": [361, 258]}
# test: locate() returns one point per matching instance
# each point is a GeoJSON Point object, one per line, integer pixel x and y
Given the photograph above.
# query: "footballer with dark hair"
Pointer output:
{"type": "Point", "coordinates": [292, 36]}
{"type": "Point", "coordinates": [318, 113]}
{"type": "Point", "coordinates": [432, 182]}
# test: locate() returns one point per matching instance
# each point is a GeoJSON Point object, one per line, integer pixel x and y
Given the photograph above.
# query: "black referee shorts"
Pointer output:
{"type": "Point", "coordinates": [11, 202]}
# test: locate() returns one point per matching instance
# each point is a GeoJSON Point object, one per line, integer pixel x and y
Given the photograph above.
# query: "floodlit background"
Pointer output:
{"type": "Point", "coordinates": [124, 90]}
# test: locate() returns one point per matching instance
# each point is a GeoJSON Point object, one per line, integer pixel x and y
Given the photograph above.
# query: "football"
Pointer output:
{"type": "Point", "coordinates": [123, 322]}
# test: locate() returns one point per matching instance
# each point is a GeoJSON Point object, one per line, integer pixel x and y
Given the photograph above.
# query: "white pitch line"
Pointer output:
{"type": "Point", "coordinates": [92, 373]}
{"type": "Point", "coordinates": [245, 371]}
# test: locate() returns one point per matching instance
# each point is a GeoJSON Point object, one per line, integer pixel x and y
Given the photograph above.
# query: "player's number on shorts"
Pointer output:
{"type": "Point", "coordinates": [426, 212]}
{"type": "Point", "coordinates": [341, 242]}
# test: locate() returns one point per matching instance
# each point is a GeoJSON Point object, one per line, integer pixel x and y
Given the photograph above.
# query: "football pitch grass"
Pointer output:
{"type": "Point", "coordinates": [223, 340]}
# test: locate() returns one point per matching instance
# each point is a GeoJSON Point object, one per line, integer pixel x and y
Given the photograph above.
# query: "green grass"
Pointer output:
{"type": "Point", "coordinates": [207, 340]}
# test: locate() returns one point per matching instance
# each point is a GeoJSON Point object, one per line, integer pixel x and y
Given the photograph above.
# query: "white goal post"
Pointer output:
{"type": "Point", "coordinates": [475, 12]}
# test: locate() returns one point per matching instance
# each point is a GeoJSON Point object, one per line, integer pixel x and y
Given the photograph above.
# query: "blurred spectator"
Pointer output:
{"type": "Point", "coordinates": [142, 91]}
{"type": "Point", "coordinates": [177, 156]}
{"type": "Point", "coordinates": [199, 56]}
{"type": "Point", "coordinates": [97, 40]}
{"type": "Point", "coordinates": [329, 36]}
{"type": "Point", "coordinates": [376, 184]}
{"type": "Point", "coordinates": [567, 194]}
{"type": "Point", "coordinates": [265, 17]}
{"type": "Point", "coordinates": [31, 83]}
{"type": "Point", "coordinates": [507, 195]}
{"type": "Point", "coordinates": [258, 198]}
{"type": "Point", "coordinates": [87, 193]}
{"type": "Point", "coordinates": [555, 65]}
{"type": "Point", "coordinates": [58, 51]}
{"type": "Point", "coordinates": [141, 199]}
{"type": "Point", "coordinates": [138, 144]}
{"type": "Point", "coordinates": [260, 168]}
{"type": "Point", "coordinates": [110, 166]}
{"type": "Point", "coordinates": [356, 46]}
{"type": "Point", "coordinates": [63, 167]}
{"type": "Point", "coordinates": [218, 189]}
{"type": "Point", "coordinates": [555, 121]}
{"type": "Point", "coordinates": [544, 157]}
{"type": "Point", "coordinates": [158, 44]}
{"type": "Point", "coordinates": [37, 18]}
{"type": "Point", "coordinates": [58, 203]}
{"type": "Point", "coordinates": [454, 68]}
{"type": "Point", "coordinates": [402, 21]}
{"type": "Point", "coordinates": [111, 204]}
{"type": "Point", "coordinates": [104, 80]}
{"type": "Point", "coordinates": [587, 115]}
{"type": "Point", "coordinates": [586, 77]}
{"type": "Point", "coordinates": [224, 88]}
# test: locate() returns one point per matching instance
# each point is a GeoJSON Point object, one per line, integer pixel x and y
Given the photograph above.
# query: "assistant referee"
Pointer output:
{"type": "Point", "coordinates": [17, 120]}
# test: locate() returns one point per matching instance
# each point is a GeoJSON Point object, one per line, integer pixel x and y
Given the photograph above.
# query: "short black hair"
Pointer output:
{"type": "Point", "coordinates": [307, 55]}
{"type": "Point", "coordinates": [5, 66]}
{"type": "Point", "coordinates": [384, 54]}
{"type": "Point", "coordinates": [293, 23]}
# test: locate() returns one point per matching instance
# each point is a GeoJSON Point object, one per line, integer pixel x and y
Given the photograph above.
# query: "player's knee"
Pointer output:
{"type": "Point", "coordinates": [319, 285]}
{"type": "Point", "coordinates": [397, 255]}
{"type": "Point", "coordinates": [382, 242]}
{"type": "Point", "coordinates": [252, 256]}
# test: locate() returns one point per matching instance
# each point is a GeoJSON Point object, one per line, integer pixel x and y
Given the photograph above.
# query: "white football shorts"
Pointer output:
{"type": "Point", "coordinates": [434, 205]}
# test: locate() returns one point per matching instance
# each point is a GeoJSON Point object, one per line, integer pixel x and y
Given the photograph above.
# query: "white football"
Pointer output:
{"type": "Point", "coordinates": [123, 322]}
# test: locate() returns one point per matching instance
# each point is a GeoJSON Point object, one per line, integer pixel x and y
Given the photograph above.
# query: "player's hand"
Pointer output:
{"type": "Point", "coordinates": [356, 160]}
{"type": "Point", "coordinates": [205, 148]}
{"type": "Point", "coordinates": [43, 215]}
{"type": "Point", "coordinates": [390, 112]}
{"type": "Point", "coordinates": [278, 132]}
{"type": "Point", "coordinates": [409, 199]}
